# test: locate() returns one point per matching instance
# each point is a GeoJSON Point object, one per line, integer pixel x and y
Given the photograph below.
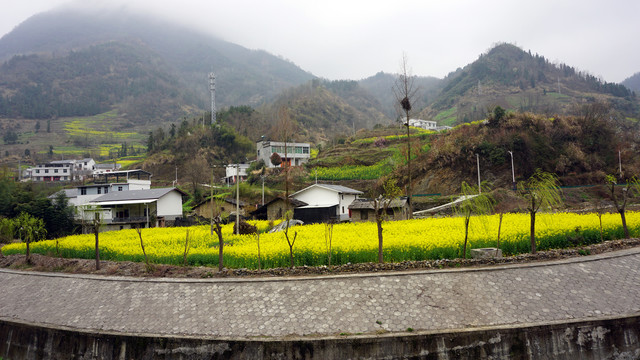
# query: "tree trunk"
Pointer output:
{"type": "Point", "coordinates": [380, 255]}
{"type": "Point", "coordinates": [624, 224]}
{"type": "Point", "coordinates": [466, 236]}
{"type": "Point", "coordinates": [499, 228]}
{"type": "Point", "coordinates": [220, 248]}
{"type": "Point", "coordinates": [600, 218]}
{"type": "Point", "coordinates": [259, 262]}
{"type": "Point", "coordinates": [95, 232]}
{"type": "Point", "coordinates": [533, 232]}
{"type": "Point", "coordinates": [291, 256]}
{"type": "Point", "coordinates": [28, 252]}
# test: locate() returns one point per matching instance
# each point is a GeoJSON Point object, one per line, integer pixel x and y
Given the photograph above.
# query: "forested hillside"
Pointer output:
{"type": "Point", "coordinates": [579, 149]}
{"type": "Point", "coordinates": [91, 81]}
{"type": "Point", "coordinates": [381, 84]}
{"type": "Point", "coordinates": [243, 76]}
{"type": "Point", "coordinates": [517, 80]}
{"type": "Point", "coordinates": [633, 82]}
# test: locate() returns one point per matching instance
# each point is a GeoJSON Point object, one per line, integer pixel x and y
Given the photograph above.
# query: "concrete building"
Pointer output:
{"type": "Point", "coordinates": [325, 202]}
{"type": "Point", "coordinates": [276, 208]}
{"type": "Point", "coordinates": [297, 153]}
{"type": "Point", "coordinates": [364, 210]}
{"type": "Point", "coordinates": [128, 209]}
{"type": "Point", "coordinates": [62, 170]}
{"type": "Point", "coordinates": [233, 170]}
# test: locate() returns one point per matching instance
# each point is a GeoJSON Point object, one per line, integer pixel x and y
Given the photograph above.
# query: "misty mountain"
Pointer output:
{"type": "Point", "coordinates": [633, 82]}
{"type": "Point", "coordinates": [326, 109]}
{"type": "Point", "coordinates": [91, 81]}
{"type": "Point", "coordinates": [381, 87]}
{"type": "Point", "coordinates": [184, 56]}
{"type": "Point", "coordinates": [520, 81]}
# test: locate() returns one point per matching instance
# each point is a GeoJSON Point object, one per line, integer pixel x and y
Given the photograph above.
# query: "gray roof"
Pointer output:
{"type": "Point", "coordinates": [134, 195]}
{"type": "Point", "coordinates": [368, 203]}
{"type": "Point", "coordinates": [337, 188]}
{"type": "Point", "coordinates": [68, 193]}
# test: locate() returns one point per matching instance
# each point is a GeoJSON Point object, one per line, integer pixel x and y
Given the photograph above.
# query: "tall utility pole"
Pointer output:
{"type": "Point", "coordinates": [620, 163]}
{"type": "Point", "coordinates": [513, 171]}
{"type": "Point", "coordinates": [262, 176]}
{"type": "Point", "coordinates": [212, 88]}
{"type": "Point", "coordinates": [478, 161]}
{"type": "Point", "coordinates": [237, 199]}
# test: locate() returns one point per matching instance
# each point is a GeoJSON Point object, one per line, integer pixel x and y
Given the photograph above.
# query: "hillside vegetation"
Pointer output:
{"type": "Point", "coordinates": [521, 81]}
{"type": "Point", "coordinates": [633, 82]}
{"type": "Point", "coordinates": [580, 149]}
{"type": "Point", "coordinates": [243, 76]}
{"type": "Point", "coordinates": [91, 81]}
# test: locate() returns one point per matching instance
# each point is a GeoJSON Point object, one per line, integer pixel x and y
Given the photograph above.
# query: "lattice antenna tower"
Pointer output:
{"type": "Point", "coordinates": [212, 88]}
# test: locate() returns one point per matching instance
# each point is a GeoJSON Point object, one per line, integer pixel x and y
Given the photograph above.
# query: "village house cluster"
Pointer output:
{"type": "Point", "coordinates": [124, 199]}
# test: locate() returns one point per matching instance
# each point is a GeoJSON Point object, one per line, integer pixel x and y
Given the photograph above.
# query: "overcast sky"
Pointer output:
{"type": "Point", "coordinates": [354, 39]}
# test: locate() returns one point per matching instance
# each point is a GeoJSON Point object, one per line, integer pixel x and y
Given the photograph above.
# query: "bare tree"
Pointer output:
{"type": "Point", "coordinates": [94, 225]}
{"type": "Point", "coordinates": [405, 92]}
{"type": "Point", "coordinates": [186, 249]}
{"type": "Point", "coordinates": [192, 171]}
{"type": "Point", "coordinates": [621, 204]}
{"type": "Point", "coordinates": [474, 203]}
{"type": "Point", "coordinates": [540, 191]}
{"type": "Point", "coordinates": [217, 219]}
{"type": "Point", "coordinates": [286, 127]}
{"type": "Point", "coordinates": [291, 242]}
{"type": "Point", "coordinates": [328, 239]}
{"type": "Point", "coordinates": [380, 207]}
{"type": "Point", "coordinates": [146, 258]}
{"type": "Point", "coordinates": [258, 241]}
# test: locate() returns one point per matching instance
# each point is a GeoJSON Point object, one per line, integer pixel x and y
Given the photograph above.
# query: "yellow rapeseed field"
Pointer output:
{"type": "Point", "coordinates": [418, 239]}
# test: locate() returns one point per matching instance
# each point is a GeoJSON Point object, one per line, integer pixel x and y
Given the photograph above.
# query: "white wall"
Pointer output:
{"type": "Point", "coordinates": [318, 196]}
{"type": "Point", "coordinates": [345, 201]}
{"type": "Point", "coordinates": [139, 184]}
{"type": "Point", "coordinates": [170, 205]}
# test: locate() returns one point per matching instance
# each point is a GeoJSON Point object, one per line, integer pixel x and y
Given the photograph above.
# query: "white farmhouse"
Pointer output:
{"type": "Point", "coordinates": [297, 153]}
{"type": "Point", "coordinates": [235, 170]}
{"type": "Point", "coordinates": [128, 209]}
{"type": "Point", "coordinates": [62, 170]}
{"type": "Point", "coordinates": [325, 203]}
{"type": "Point", "coordinates": [423, 124]}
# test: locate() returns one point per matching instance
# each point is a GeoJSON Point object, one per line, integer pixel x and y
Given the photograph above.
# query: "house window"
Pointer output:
{"type": "Point", "coordinates": [55, 171]}
{"type": "Point", "coordinates": [64, 170]}
{"type": "Point", "coordinates": [119, 188]}
{"type": "Point", "coordinates": [83, 191]}
{"type": "Point", "coordinates": [99, 190]}
{"type": "Point", "coordinates": [37, 171]}
{"type": "Point", "coordinates": [305, 150]}
{"type": "Point", "coordinates": [106, 189]}
{"type": "Point", "coordinates": [46, 171]}
{"type": "Point", "coordinates": [343, 209]}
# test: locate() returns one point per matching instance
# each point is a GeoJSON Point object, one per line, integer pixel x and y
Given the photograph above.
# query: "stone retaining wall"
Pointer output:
{"type": "Point", "coordinates": [610, 338]}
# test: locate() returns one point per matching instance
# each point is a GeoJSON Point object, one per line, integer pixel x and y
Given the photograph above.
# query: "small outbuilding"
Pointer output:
{"type": "Point", "coordinates": [364, 209]}
{"type": "Point", "coordinates": [325, 202]}
{"type": "Point", "coordinates": [227, 205]}
{"type": "Point", "coordinates": [275, 209]}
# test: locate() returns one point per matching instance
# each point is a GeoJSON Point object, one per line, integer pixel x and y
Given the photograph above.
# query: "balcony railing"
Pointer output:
{"type": "Point", "coordinates": [130, 219]}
